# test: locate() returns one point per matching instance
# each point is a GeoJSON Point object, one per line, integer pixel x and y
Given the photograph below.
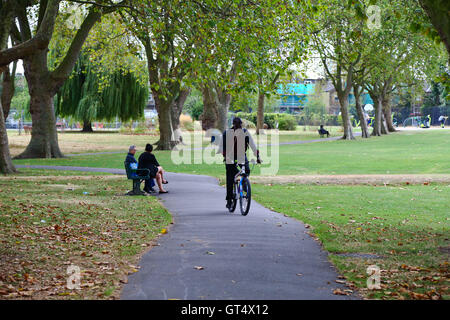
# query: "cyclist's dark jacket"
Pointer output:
{"type": "Point", "coordinates": [248, 142]}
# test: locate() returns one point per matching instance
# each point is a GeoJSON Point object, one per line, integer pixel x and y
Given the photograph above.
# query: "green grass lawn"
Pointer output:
{"type": "Point", "coordinates": [407, 152]}
{"type": "Point", "coordinates": [49, 223]}
{"type": "Point", "coordinates": [408, 226]}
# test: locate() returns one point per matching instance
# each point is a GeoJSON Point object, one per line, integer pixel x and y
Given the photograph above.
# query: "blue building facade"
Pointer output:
{"type": "Point", "coordinates": [294, 96]}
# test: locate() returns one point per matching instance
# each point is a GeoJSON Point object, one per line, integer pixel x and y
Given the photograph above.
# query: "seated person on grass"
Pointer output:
{"type": "Point", "coordinates": [147, 160]}
{"type": "Point", "coordinates": [323, 132]}
{"type": "Point", "coordinates": [131, 159]}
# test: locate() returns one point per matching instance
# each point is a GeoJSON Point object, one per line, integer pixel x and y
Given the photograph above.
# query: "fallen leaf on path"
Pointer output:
{"type": "Point", "coordinates": [340, 292]}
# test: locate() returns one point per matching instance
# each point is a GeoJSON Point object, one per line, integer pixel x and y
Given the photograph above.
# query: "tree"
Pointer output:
{"type": "Point", "coordinates": [109, 79]}
{"type": "Point", "coordinates": [358, 90]}
{"type": "Point", "coordinates": [282, 43]}
{"type": "Point", "coordinates": [438, 12]}
{"type": "Point", "coordinates": [12, 9]}
{"type": "Point", "coordinates": [339, 41]}
{"type": "Point", "coordinates": [395, 57]}
{"type": "Point", "coordinates": [167, 30]}
{"type": "Point", "coordinates": [6, 16]}
{"type": "Point", "coordinates": [44, 83]}
{"type": "Point", "coordinates": [124, 96]}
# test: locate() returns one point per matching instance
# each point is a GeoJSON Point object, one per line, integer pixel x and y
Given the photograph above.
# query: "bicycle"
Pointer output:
{"type": "Point", "coordinates": [243, 189]}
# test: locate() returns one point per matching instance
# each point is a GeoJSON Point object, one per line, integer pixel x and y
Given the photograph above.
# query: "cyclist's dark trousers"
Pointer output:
{"type": "Point", "coordinates": [232, 170]}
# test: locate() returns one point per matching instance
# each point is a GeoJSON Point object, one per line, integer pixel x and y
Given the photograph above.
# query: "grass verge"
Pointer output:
{"type": "Point", "coordinates": [51, 222]}
{"type": "Point", "coordinates": [403, 229]}
{"type": "Point", "coordinates": [409, 152]}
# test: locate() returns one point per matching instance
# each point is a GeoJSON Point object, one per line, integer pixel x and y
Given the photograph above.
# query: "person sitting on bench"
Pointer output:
{"type": "Point", "coordinates": [147, 160]}
{"type": "Point", "coordinates": [323, 132]}
{"type": "Point", "coordinates": [131, 159]}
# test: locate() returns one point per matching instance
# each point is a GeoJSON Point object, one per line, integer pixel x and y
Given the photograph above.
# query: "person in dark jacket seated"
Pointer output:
{"type": "Point", "coordinates": [149, 184]}
{"type": "Point", "coordinates": [323, 132]}
{"type": "Point", "coordinates": [147, 160]}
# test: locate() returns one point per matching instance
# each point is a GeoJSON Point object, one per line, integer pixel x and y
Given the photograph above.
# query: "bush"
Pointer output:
{"type": "Point", "coordinates": [248, 124]}
{"type": "Point", "coordinates": [286, 122]}
{"type": "Point", "coordinates": [270, 119]}
{"type": "Point", "coordinates": [186, 122]}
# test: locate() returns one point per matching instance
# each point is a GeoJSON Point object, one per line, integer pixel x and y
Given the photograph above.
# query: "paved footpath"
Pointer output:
{"type": "Point", "coordinates": [264, 255]}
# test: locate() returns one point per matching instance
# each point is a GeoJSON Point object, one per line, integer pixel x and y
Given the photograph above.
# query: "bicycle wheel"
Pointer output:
{"type": "Point", "coordinates": [245, 196]}
{"type": "Point", "coordinates": [234, 201]}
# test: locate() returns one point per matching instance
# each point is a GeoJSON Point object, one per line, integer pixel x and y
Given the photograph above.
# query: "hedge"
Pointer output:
{"type": "Point", "coordinates": [285, 121]}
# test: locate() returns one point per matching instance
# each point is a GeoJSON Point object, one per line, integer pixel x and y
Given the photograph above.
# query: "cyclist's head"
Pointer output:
{"type": "Point", "coordinates": [237, 123]}
{"type": "Point", "coordinates": [148, 147]}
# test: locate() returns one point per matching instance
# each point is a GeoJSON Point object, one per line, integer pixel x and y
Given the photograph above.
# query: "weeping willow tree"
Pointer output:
{"type": "Point", "coordinates": [86, 97]}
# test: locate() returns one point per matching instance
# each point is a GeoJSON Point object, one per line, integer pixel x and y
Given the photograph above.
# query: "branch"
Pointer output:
{"type": "Point", "coordinates": [65, 68]}
{"type": "Point", "coordinates": [104, 6]}
{"type": "Point", "coordinates": [39, 42]}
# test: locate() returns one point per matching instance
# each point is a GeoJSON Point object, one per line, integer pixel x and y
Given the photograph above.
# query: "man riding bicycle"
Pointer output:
{"type": "Point", "coordinates": [233, 146]}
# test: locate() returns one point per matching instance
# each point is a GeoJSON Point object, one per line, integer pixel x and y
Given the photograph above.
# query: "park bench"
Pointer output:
{"type": "Point", "coordinates": [322, 135]}
{"type": "Point", "coordinates": [137, 175]}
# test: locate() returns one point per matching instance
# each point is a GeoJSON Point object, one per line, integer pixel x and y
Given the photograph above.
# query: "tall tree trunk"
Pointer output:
{"type": "Point", "coordinates": [388, 114]}
{"type": "Point", "coordinates": [223, 106]}
{"type": "Point", "coordinates": [378, 115]}
{"type": "Point", "coordinates": [347, 126]}
{"type": "Point", "coordinates": [166, 136]}
{"type": "Point", "coordinates": [209, 116]}
{"type": "Point", "coordinates": [44, 138]}
{"type": "Point", "coordinates": [8, 89]}
{"type": "Point", "coordinates": [87, 126]}
{"type": "Point", "coordinates": [260, 113]}
{"type": "Point", "coordinates": [360, 112]}
{"type": "Point", "coordinates": [43, 84]}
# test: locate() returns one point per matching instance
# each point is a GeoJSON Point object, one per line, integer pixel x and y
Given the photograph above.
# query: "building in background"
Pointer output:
{"type": "Point", "coordinates": [294, 96]}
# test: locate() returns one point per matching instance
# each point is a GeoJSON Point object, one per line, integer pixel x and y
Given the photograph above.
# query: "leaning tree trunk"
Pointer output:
{"type": "Point", "coordinates": [176, 110]}
{"type": "Point", "coordinates": [362, 119]}
{"type": "Point", "coordinates": [87, 126]}
{"type": "Point", "coordinates": [388, 114]}
{"type": "Point", "coordinates": [260, 113]}
{"type": "Point", "coordinates": [360, 112]}
{"type": "Point", "coordinates": [6, 18]}
{"type": "Point", "coordinates": [6, 165]}
{"type": "Point", "coordinates": [44, 138]}
{"type": "Point", "coordinates": [209, 116]}
{"type": "Point", "coordinates": [378, 116]}
{"type": "Point", "coordinates": [347, 126]}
